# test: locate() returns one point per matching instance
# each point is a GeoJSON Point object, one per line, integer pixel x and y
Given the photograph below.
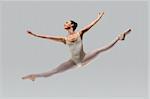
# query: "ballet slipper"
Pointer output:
{"type": "Point", "coordinates": [30, 77]}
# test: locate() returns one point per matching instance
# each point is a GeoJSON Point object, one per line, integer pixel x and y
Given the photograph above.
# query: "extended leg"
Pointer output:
{"type": "Point", "coordinates": [93, 54]}
{"type": "Point", "coordinates": [61, 68]}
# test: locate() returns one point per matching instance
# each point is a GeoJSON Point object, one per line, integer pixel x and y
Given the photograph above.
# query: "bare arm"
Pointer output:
{"type": "Point", "coordinates": [54, 38]}
{"type": "Point", "coordinates": [86, 28]}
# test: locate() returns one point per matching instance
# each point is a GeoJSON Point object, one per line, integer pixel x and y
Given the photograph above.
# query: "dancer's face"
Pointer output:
{"type": "Point", "coordinates": [68, 25]}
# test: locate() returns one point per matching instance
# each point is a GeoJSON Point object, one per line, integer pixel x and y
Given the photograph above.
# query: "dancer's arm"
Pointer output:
{"type": "Point", "coordinates": [86, 28]}
{"type": "Point", "coordinates": [55, 38]}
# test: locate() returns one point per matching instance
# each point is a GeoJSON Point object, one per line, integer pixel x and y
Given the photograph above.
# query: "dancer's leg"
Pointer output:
{"type": "Point", "coordinates": [92, 55]}
{"type": "Point", "coordinates": [61, 68]}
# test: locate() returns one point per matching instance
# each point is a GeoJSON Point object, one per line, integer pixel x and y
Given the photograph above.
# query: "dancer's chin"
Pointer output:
{"type": "Point", "coordinates": [66, 28]}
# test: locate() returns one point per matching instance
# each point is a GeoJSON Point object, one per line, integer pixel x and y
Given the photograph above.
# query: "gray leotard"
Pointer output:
{"type": "Point", "coordinates": [76, 49]}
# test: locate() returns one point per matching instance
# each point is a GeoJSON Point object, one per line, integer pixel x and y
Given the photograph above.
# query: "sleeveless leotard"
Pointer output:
{"type": "Point", "coordinates": [76, 50]}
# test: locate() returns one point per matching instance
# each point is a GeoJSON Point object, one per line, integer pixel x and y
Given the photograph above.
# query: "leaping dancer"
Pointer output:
{"type": "Point", "coordinates": [75, 42]}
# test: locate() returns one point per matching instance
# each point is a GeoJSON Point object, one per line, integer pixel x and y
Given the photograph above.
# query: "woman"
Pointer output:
{"type": "Point", "coordinates": [74, 40]}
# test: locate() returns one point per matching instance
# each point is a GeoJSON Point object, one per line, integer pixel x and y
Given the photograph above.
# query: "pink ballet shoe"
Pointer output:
{"type": "Point", "coordinates": [30, 77]}
{"type": "Point", "coordinates": [123, 35]}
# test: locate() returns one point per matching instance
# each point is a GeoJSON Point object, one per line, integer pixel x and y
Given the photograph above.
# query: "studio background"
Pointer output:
{"type": "Point", "coordinates": [121, 71]}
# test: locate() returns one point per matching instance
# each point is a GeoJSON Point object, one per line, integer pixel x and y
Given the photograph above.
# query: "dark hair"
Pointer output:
{"type": "Point", "coordinates": [74, 24]}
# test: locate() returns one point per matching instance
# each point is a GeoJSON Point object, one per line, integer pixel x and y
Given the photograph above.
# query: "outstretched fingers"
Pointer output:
{"type": "Point", "coordinates": [100, 14]}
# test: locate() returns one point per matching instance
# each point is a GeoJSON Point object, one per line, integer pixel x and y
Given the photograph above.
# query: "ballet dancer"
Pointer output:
{"type": "Point", "coordinates": [74, 40]}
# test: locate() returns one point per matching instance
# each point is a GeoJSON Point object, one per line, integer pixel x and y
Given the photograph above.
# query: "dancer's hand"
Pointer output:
{"type": "Point", "coordinates": [29, 32]}
{"type": "Point", "coordinates": [100, 15]}
{"type": "Point", "coordinates": [30, 77]}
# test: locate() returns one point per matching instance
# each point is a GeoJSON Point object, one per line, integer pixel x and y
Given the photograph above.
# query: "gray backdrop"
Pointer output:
{"type": "Point", "coordinates": [121, 71]}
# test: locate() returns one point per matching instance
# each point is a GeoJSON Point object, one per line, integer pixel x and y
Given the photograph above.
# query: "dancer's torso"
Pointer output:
{"type": "Point", "coordinates": [76, 48]}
